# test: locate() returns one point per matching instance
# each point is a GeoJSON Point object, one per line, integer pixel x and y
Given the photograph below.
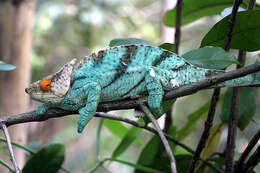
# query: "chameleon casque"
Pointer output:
{"type": "Point", "coordinates": [116, 73]}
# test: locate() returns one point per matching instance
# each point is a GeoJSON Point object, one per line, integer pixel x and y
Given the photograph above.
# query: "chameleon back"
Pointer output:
{"type": "Point", "coordinates": [121, 70]}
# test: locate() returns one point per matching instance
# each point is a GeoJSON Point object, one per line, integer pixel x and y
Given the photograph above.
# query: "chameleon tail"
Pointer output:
{"type": "Point", "coordinates": [248, 80]}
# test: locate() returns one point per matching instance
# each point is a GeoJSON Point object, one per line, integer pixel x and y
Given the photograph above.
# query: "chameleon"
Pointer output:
{"type": "Point", "coordinates": [120, 72]}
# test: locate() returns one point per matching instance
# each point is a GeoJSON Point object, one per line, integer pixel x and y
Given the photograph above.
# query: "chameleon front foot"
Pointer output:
{"type": "Point", "coordinates": [84, 118]}
{"type": "Point", "coordinates": [42, 109]}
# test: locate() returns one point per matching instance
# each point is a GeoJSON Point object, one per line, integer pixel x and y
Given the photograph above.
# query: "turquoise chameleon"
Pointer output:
{"type": "Point", "coordinates": [119, 72]}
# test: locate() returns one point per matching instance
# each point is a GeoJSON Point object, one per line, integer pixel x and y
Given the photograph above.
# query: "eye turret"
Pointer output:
{"type": "Point", "coordinates": [45, 85]}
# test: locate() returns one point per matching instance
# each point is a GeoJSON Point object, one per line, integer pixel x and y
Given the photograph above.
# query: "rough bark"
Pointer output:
{"type": "Point", "coordinates": [16, 20]}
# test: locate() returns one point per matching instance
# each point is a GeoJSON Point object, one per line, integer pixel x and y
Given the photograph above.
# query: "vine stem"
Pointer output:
{"type": "Point", "coordinates": [163, 138]}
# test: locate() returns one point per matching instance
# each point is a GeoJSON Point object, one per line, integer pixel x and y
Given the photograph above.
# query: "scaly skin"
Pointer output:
{"type": "Point", "coordinates": [123, 72]}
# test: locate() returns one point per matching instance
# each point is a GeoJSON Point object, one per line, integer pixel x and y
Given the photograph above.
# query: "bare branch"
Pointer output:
{"type": "Point", "coordinates": [234, 109]}
{"type": "Point", "coordinates": [205, 134]}
{"type": "Point", "coordinates": [164, 140]}
{"type": "Point", "coordinates": [150, 129]}
{"type": "Point", "coordinates": [177, 36]}
{"type": "Point", "coordinates": [244, 155]}
{"type": "Point", "coordinates": [4, 128]}
{"type": "Point", "coordinates": [252, 161]}
{"type": "Point", "coordinates": [231, 24]}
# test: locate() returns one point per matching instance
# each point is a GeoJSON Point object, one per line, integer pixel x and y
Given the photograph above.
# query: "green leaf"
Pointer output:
{"type": "Point", "coordinates": [116, 128]}
{"type": "Point", "coordinates": [149, 152]}
{"type": "Point", "coordinates": [247, 106]}
{"type": "Point", "coordinates": [168, 46]}
{"type": "Point", "coordinates": [136, 166]}
{"type": "Point", "coordinates": [48, 159]}
{"type": "Point", "coordinates": [194, 9]}
{"type": "Point", "coordinates": [129, 138]}
{"type": "Point", "coordinates": [183, 162]}
{"type": "Point", "coordinates": [6, 67]}
{"type": "Point", "coordinates": [189, 127]}
{"type": "Point", "coordinates": [218, 162]}
{"type": "Point", "coordinates": [193, 118]}
{"type": "Point", "coordinates": [210, 57]}
{"type": "Point", "coordinates": [149, 157]}
{"type": "Point", "coordinates": [126, 41]}
{"type": "Point", "coordinates": [162, 163]}
{"type": "Point", "coordinates": [245, 36]}
{"type": "Point", "coordinates": [212, 141]}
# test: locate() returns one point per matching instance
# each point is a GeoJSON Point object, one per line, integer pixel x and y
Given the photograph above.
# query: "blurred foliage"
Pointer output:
{"type": "Point", "coordinates": [68, 29]}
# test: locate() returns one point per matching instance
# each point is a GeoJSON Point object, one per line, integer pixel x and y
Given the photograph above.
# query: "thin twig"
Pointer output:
{"type": "Point", "coordinates": [215, 96]}
{"type": "Point", "coordinates": [244, 155]}
{"type": "Point", "coordinates": [4, 128]}
{"type": "Point", "coordinates": [232, 126]}
{"type": "Point", "coordinates": [251, 4]}
{"type": "Point", "coordinates": [177, 35]}
{"type": "Point", "coordinates": [150, 129]}
{"type": "Point", "coordinates": [205, 134]}
{"type": "Point", "coordinates": [231, 24]}
{"type": "Point", "coordinates": [234, 109]}
{"type": "Point", "coordinates": [163, 138]}
{"type": "Point", "coordinates": [252, 161]}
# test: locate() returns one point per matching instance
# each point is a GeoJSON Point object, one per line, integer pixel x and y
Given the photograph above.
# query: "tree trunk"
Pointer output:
{"type": "Point", "coordinates": [16, 21]}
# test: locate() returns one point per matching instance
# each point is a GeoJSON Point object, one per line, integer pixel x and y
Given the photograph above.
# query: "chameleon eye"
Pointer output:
{"type": "Point", "coordinates": [45, 85]}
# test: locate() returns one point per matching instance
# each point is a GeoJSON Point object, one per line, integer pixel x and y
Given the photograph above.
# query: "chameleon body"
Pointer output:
{"type": "Point", "coordinates": [116, 73]}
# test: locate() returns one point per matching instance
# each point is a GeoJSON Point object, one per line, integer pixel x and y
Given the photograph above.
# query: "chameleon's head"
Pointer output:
{"type": "Point", "coordinates": [52, 88]}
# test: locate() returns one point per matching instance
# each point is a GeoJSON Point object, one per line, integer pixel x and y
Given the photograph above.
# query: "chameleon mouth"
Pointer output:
{"type": "Point", "coordinates": [28, 90]}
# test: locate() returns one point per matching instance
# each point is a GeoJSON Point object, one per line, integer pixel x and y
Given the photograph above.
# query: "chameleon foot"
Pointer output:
{"type": "Point", "coordinates": [42, 109]}
{"type": "Point", "coordinates": [83, 119]}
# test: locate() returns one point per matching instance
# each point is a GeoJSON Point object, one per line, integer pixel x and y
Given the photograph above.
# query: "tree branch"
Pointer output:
{"type": "Point", "coordinates": [244, 155]}
{"type": "Point", "coordinates": [252, 161]}
{"type": "Point", "coordinates": [205, 134]}
{"type": "Point", "coordinates": [163, 139]}
{"type": "Point", "coordinates": [234, 109]}
{"type": "Point", "coordinates": [150, 129]}
{"type": "Point", "coordinates": [177, 35]}
{"type": "Point", "coordinates": [4, 128]}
